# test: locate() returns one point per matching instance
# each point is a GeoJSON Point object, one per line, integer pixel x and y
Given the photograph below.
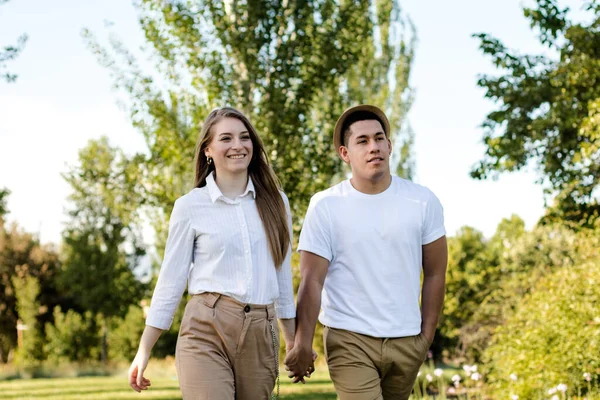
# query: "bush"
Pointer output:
{"type": "Point", "coordinates": [72, 337]}
{"type": "Point", "coordinates": [552, 338]}
{"type": "Point", "coordinates": [27, 290]}
{"type": "Point", "coordinates": [124, 335]}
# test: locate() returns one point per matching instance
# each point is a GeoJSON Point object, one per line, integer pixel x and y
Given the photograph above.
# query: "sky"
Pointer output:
{"type": "Point", "coordinates": [63, 98]}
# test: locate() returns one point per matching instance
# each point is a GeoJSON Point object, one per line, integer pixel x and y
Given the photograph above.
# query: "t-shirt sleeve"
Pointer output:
{"type": "Point", "coordinates": [315, 236]}
{"type": "Point", "coordinates": [433, 224]}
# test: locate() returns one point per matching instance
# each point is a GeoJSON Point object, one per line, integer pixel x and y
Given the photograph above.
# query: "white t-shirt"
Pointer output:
{"type": "Point", "coordinates": [374, 245]}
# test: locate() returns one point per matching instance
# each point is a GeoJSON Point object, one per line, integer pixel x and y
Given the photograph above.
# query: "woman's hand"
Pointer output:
{"type": "Point", "coordinates": [136, 372]}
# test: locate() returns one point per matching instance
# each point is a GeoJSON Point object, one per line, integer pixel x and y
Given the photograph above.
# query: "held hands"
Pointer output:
{"type": "Point", "coordinates": [299, 362]}
{"type": "Point", "coordinates": [136, 373]}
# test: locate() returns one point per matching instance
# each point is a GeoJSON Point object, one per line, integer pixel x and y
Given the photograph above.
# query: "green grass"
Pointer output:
{"type": "Point", "coordinates": [318, 387]}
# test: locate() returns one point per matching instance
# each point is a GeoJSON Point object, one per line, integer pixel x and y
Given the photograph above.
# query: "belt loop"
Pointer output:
{"type": "Point", "coordinates": [210, 299]}
{"type": "Point", "coordinates": [270, 312]}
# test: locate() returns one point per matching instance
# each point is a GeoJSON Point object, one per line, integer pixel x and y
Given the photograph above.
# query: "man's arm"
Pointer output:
{"type": "Point", "coordinates": [435, 261]}
{"type": "Point", "coordinates": [313, 269]}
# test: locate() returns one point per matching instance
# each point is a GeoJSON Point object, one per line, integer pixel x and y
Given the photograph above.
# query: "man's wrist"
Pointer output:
{"type": "Point", "coordinates": [302, 343]}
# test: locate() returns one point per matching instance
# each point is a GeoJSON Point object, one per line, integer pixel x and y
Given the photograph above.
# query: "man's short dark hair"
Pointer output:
{"type": "Point", "coordinates": [355, 117]}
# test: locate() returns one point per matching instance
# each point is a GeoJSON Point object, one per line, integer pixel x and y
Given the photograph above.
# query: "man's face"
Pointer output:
{"type": "Point", "coordinates": [367, 150]}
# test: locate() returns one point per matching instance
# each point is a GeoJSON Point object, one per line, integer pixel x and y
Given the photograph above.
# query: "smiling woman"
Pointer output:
{"type": "Point", "coordinates": [230, 241]}
{"type": "Point", "coordinates": [230, 149]}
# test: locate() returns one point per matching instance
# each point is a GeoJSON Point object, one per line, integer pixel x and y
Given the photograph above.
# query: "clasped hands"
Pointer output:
{"type": "Point", "coordinates": [300, 362]}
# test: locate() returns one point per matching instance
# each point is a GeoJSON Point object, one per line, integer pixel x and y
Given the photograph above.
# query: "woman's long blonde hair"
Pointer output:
{"type": "Point", "coordinates": [269, 202]}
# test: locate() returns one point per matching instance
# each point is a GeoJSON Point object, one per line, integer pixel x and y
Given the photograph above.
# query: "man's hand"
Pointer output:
{"type": "Point", "coordinates": [300, 362]}
{"type": "Point", "coordinates": [428, 335]}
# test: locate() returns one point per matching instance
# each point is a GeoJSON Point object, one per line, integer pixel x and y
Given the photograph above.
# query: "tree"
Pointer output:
{"type": "Point", "coordinates": [548, 111]}
{"type": "Point", "coordinates": [292, 67]}
{"type": "Point", "coordinates": [21, 252]}
{"type": "Point", "coordinates": [27, 290]}
{"type": "Point", "coordinates": [10, 53]}
{"type": "Point", "coordinates": [102, 243]}
{"type": "Point", "coordinates": [515, 261]}
{"type": "Point", "coordinates": [465, 287]}
{"type": "Point", "coordinates": [4, 193]}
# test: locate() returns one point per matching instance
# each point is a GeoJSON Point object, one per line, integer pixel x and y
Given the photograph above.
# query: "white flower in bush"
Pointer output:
{"type": "Point", "coordinates": [587, 376]}
{"type": "Point", "coordinates": [561, 387]}
{"type": "Point", "coordinates": [555, 397]}
{"type": "Point", "coordinates": [438, 372]}
{"type": "Point", "coordinates": [476, 376]}
{"type": "Point", "coordinates": [429, 377]}
{"type": "Point", "coordinates": [469, 369]}
{"type": "Point", "coordinates": [456, 378]}
{"type": "Point", "coordinates": [513, 377]}
{"type": "Point", "coordinates": [514, 397]}
{"type": "Point", "coordinates": [551, 390]}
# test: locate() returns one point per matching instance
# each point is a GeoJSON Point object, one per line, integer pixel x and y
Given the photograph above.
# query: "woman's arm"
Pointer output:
{"type": "Point", "coordinates": [140, 362]}
{"type": "Point", "coordinates": [169, 288]}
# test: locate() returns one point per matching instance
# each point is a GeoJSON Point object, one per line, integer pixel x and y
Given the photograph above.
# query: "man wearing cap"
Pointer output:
{"type": "Point", "coordinates": [363, 246]}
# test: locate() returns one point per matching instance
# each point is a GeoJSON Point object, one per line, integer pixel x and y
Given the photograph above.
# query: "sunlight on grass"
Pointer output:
{"type": "Point", "coordinates": [319, 387]}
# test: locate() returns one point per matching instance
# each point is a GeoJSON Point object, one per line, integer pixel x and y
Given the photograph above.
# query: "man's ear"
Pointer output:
{"type": "Point", "coordinates": [343, 152]}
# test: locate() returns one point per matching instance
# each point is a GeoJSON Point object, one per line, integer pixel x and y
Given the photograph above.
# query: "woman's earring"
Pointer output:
{"type": "Point", "coordinates": [209, 160]}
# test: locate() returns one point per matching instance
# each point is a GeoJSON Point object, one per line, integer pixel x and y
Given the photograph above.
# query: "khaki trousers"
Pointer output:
{"type": "Point", "coordinates": [225, 349]}
{"type": "Point", "coordinates": [368, 368]}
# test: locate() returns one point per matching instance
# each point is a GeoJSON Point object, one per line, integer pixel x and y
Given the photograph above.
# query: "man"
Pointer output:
{"type": "Point", "coordinates": [363, 246]}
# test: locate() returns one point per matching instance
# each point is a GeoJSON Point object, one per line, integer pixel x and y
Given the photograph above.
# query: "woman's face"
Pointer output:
{"type": "Point", "coordinates": [230, 147]}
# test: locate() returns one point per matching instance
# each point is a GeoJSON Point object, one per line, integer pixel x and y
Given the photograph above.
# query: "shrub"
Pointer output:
{"type": "Point", "coordinates": [553, 337]}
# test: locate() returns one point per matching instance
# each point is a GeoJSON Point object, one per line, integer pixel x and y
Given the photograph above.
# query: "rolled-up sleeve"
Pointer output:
{"type": "Point", "coordinates": [174, 270]}
{"type": "Point", "coordinates": [285, 302]}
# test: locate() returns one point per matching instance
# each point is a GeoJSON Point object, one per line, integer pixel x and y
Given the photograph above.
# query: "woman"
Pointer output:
{"type": "Point", "coordinates": [230, 240]}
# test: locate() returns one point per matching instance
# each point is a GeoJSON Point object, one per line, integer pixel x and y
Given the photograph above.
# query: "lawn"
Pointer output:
{"type": "Point", "coordinates": [319, 387]}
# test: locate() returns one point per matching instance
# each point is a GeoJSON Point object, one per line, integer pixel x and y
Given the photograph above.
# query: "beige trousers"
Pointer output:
{"type": "Point", "coordinates": [225, 349]}
{"type": "Point", "coordinates": [369, 368]}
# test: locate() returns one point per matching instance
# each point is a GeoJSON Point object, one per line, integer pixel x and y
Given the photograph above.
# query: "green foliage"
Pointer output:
{"type": "Point", "coordinates": [21, 254]}
{"type": "Point", "coordinates": [523, 262]}
{"type": "Point", "coordinates": [102, 241]}
{"type": "Point", "coordinates": [547, 113]}
{"type": "Point", "coordinates": [486, 280]}
{"type": "Point", "coordinates": [10, 53]}
{"type": "Point", "coordinates": [291, 67]}
{"type": "Point", "coordinates": [552, 337]}
{"type": "Point", "coordinates": [27, 290]}
{"type": "Point", "coordinates": [124, 335]}
{"type": "Point", "coordinates": [4, 193]}
{"type": "Point", "coordinates": [465, 287]}
{"type": "Point", "coordinates": [72, 337]}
